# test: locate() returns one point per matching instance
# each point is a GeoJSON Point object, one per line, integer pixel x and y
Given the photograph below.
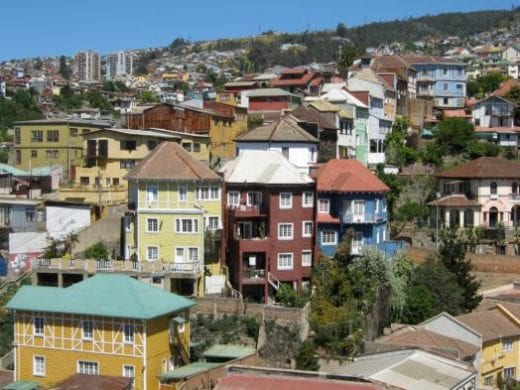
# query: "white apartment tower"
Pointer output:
{"type": "Point", "coordinates": [119, 64]}
{"type": "Point", "coordinates": [88, 66]}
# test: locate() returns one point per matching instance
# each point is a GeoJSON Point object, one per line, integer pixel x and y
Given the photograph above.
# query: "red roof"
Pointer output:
{"type": "Point", "coordinates": [272, 382]}
{"type": "Point", "coordinates": [282, 82]}
{"type": "Point", "coordinates": [347, 175]}
{"type": "Point", "coordinates": [294, 71]}
{"type": "Point", "coordinates": [316, 82]}
{"type": "Point", "coordinates": [361, 95]}
{"type": "Point", "coordinates": [460, 113]}
{"type": "Point", "coordinates": [506, 86]}
{"type": "Point", "coordinates": [506, 130]}
{"type": "Point", "coordinates": [326, 218]}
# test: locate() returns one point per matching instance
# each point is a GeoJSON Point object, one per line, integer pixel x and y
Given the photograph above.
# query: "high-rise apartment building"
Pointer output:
{"type": "Point", "coordinates": [119, 64]}
{"type": "Point", "coordinates": [88, 66]}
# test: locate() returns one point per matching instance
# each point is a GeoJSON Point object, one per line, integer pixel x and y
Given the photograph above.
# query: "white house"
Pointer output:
{"type": "Point", "coordinates": [63, 218]}
{"type": "Point", "coordinates": [512, 53]}
{"type": "Point", "coordinates": [298, 145]}
{"type": "Point", "coordinates": [483, 192]}
{"type": "Point", "coordinates": [493, 118]}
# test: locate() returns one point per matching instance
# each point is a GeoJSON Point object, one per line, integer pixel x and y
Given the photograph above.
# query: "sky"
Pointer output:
{"type": "Point", "coordinates": [33, 28]}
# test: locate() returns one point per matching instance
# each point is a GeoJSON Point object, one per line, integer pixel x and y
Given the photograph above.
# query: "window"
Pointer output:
{"type": "Point", "coordinates": [127, 164]}
{"type": "Point", "coordinates": [89, 368]}
{"type": "Point", "coordinates": [233, 199]}
{"type": "Point", "coordinates": [212, 223]}
{"type": "Point", "coordinates": [357, 239]}
{"type": "Point", "coordinates": [128, 371]}
{"type": "Point", "coordinates": [254, 198]}
{"type": "Point", "coordinates": [488, 380]}
{"type": "Point", "coordinates": [37, 136]}
{"type": "Point", "coordinates": [128, 145]}
{"type": "Point", "coordinates": [183, 194]}
{"type": "Point", "coordinates": [151, 145]}
{"type": "Point", "coordinates": [34, 153]}
{"type": "Point", "coordinates": [38, 326]}
{"type": "Point", "coordinates": [208, 193]}
{"type": "Point", "coordinates": [445, 71]}
{"type": "Point", "coordinates": [507, 345]}
{"type": "Point", "coordinates": [459, 86]}
{"type": "Point", "coordinates": [323, 206]}
{"type": "Point", "coordinates": [306, 258]}
{"type": "Point", "coordinates": [73, 132]}
{"type": "Point", "coordinates": [84, 180]}
{"type": "Point", "coordinates": [152, 225]}
{"type": "Point", "coordinates": [377, 205]}
{"type": "Point", "coordinates": [285, 151]}
{"type": "Point", "coordinates": [285, 200]}
{"type": "Point", "coordinates": [307, 229]}
{"type": "Point", "coordinates": [18, 157]}
{"type": "Point", "coordinates": [445, 86]}
{"type": "Point", "coordinates": [285, 231]}
{"type": "Point", "coordinates": [493, 188]}
{"type": "Point", "coordinates": [308, 199]}
{"type": "Point", "coordinates": [128, 333]}
{"type": "Point", "coordinates": [477, 121]}
{"type": "Point", "coordinates": [88, 330]}
{"type": "Point", "coordinates": [285, 261]}
{"type": "Point", "coordinates": [53, 135]}
{"type": "Point", "coordinates": [509, 372]}
{"type": "Point", "coordinates": [328, 237]}
{"type": "Point", "coordinates": [115, 181]}
{"type": "Point", "coordinates": [152, 253]}
{"type": "Point", "coordinates": [151, 193]}
{"type": "Point", "coordinates": [196, 147]}
{"type": "Point", "coordinates": [193, 254]}
{"type": "Point", "coordinates": [85, 131]}
{"type": "Point", "coordinates": [17, 137]}
{"type": "Point", "coordinates": [445, 101]}
{"type": "Point", "coordinates": [186, 225]}
{"type": "Point", "coordinates": [29, 215]}
{"type": "Point", "coordinates": [186, 146]}
{"type": "Point", "coordinates": [357, 207]}
{"type": "Point", "coordinates": [38, 366]}
{"type": "Point", "coordinates": [52, 153]}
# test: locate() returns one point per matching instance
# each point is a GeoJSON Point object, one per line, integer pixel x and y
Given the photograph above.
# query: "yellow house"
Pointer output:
{"type": "Point", "coordinates": [174, 216]}
{"type": "Point", "coordinates": [222, 132]}
{"type": "Point", "coordinates": [51, 142]}
{"type": "Point", "coordinates": [500, 331]}
{"type": "Point", "coordinates": [109, 324]}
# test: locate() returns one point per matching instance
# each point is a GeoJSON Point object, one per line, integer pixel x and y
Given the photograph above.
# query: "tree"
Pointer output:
{"type": "Point", "coordinates": [513, 95]}
{"type": "Point", "coordinates": [454, 135]}
{"type": "Point", "coordinates": [397, 151]}
{"type": "Point", "coordinates": [306, 358]}
{"type": "Point", "coordinates": [433, 154]}
{"type": "Point", "coordinates": [148, 97]}
{"type": "Point", "coordinates": [96, 100]}
{"type": "Point", "coordinates": [452, 254]}
{"type": "Point", "coordinates": [341, 30]}
{"type": "Point", "coordinates": [97, 251]}
{"type": "Point", "coordinates": [409, 212]}
{"type": "Point", "coordinates": [348, 54]}
{"type": "Point", "coordinates": [482, 149]}
{"type": "Point", "coordinates": [64, 68]}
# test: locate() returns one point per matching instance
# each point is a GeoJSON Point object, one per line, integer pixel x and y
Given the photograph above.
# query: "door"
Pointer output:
{"type": "Point", "coordinates": [245, 230]}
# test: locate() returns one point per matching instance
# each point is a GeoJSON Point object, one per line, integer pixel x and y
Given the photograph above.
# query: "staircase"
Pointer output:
{"type": "Point", "coordinates": [182, 351]}
{"type": "Point", "coordinates": [273, 281]}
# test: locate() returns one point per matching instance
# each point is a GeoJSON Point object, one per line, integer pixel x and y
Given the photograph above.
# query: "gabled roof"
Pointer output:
{"type": "Point", "coordinates": [506, 87]}
{"type": "Point", "coordinates": [347, 175]}
{"type": "Point", "coordinates": [430, 60]}
{"type": "Point", "coordinates": [484, 168]}
{"type": "Point", "coordinates": [169, 161]}
{"type": "Point", "coordinates": [454, 200]}
{"type": "Point", "coordinates": [491, 324]}
{"type": "Point", "coordinates": [132, 132]}
{"type": "Point", "coordinates": [284, 130]}
{"type": "Point", "coordinates": [94, 382]}
{"type": "Point", "coordinates": [105, 295]}
{"type": "Point", "coordinates": [324, 106]}
{"type": "Point", "coordinates": [262, 167]}
{"type": "Point", "coordinates": [309, 115]}
{"type": "Point", "coordinates": [338, 95]}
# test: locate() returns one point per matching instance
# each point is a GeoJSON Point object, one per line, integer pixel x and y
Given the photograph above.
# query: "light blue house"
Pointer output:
{"type": "Point", "coordinates": [349, 196]}
{"type": "Point", "coordinates": [440, 79]}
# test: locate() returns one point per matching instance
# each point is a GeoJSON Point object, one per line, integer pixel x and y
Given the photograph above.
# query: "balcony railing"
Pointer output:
{"type": "Point", "coordinates": [244, 211]}
{"type": "Point", "coordinates": [361, 218]}
{"type": "Point", "coordinates": [253, 273]}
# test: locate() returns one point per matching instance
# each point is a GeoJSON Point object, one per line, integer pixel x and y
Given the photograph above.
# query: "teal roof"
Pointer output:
{"type": "Point", "coordinates": [187, 371]}
{"type": "Point", "coordinates": [36, 171]}
{"type": "Point", "coordinates": [106, 295]}
{"type": "Point", "coordinates": [21, 385]}
{"type": "Point", "coordinates": [229, 351]}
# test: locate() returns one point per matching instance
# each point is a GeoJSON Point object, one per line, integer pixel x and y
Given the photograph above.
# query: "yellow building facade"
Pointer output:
{"type": "Point", "coordinates": [54, 340]}
{"type": "Point", "coordinates": [174, 216]}
{"type": "Point", "coordinates": [222, 133]}
{"type": "Point", "coordinates": [51, 142]}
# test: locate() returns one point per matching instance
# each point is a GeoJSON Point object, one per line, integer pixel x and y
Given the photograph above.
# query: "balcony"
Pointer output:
{"type": "Point", "coordinates": [253, 276]}
{"type": "Point", "coordinates": [255, 244]}
{"type": "Point", "coordinates": [361, 218]}
{"type": "Point", "coordinates": [248, 211]}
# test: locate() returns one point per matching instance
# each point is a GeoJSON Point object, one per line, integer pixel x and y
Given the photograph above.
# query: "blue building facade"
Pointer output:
{"type": "Point", "coordinates": [440, 79]}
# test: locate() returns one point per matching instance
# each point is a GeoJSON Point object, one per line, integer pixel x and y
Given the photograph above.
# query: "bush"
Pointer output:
{"type": "Point", "coordinates": [482, 149]}
{"type": "Point", "coordinates": [454, 135]}
{"type": "Point", "coordinates": [97, 251]}
{"type": "Point", "coordinates": [306, 359]}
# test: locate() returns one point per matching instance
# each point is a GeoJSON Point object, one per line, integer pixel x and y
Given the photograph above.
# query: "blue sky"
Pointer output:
{"type": "Point", "coordinates": [52, 27]}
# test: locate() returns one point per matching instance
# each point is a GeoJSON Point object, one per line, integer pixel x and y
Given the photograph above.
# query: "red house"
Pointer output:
{"type": "Point", "coordinates": [271, 99]}
{"type": "Point", "coordinates": [292, 79]}
{"type": "Point", "coordinates": [268, 235]}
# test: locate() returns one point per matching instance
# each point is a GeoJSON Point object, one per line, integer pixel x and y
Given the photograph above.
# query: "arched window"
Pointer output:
{"type": "Point", "coordinates": [468, 218]}
{"type": "Point", "coordinates": [493, 188]}
{"type": "Point", "coordinates": [454, 218]}
{"type": "Point", "coordinates": [493, 217]}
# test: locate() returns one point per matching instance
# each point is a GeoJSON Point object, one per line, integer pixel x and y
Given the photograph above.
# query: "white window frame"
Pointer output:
{"type": "Point", "coordinates": [39, 369]}
{"type": "Point", "coordinates": [285, 224]}
{"type": "Point", "coordinates": [325, 243]}
{"type": "Point", "coordinates": [128, 337]}
{"type": "Point", "coordinates": [148, 225]}
{"type": "Point", "coordinates": [307, 263]}
{"type": "Point", "coordinates": [148, 257]}
{"type": "Point", "coordinates": [324, 201]}
{"type": "Point", "coordinates": [507, 345]}
{"type": "Point", "coordinates": [307, 202]}
{"type": "Point", "coordinates": [509, 369]}
{"type": "Point", "coordinates": [285, 267]}
{"type": "Point", "coordinates": [155, 192]}
{"type": "Point", "coordinates": [89, 367]}
{"type": "Point", "coordinates": [36, 328]}
{"type": "Point", "coordinates": [207, 224]}
{"type": "Point", "coordinates": [304, 223]}
{"type": "Point", "coordinates": [182, 193]}
{"type": "Point", "coordinates": [187, 252]}
{"type": "Point", "coordinates": [179, 228]}
{"type": "Point", "coordinates": [192, 249]}
{"type": "Point", "coordinates": [259, 200]}
{"type": "Point", "coordinates": [231, 200]}
{"type": "Point", "coordinates": [125, 366]}
{"type": "Point", "coordinates": [286, 200]}
{"type": "Point", "coordinates": [357, 238]}
{"type": "Point", "coordinates": [211, 194]}
{"type": "Point", "coordinates": [84, 334]}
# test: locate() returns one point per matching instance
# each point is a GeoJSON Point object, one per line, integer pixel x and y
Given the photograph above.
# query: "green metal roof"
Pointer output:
{"type": "Point", "coordinates": [230, 351]}
{"type": "Point", "coordinates": [179, 320]}
{"type": "Point", "coordinates": [21, 385]}
{"type": "Point", "coordinates": [106, 295]}
{"type": "Point", "coordinates": [36, 171]}
{"type": "Point", "coordinates": [187, 371]}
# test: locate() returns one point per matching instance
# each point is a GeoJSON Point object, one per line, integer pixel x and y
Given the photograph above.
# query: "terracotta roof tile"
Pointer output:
{"type": "Point", "coordinates": [342, 175]}
{"type": "Point", "coordinates": [169, 161]}
{"type": "Point", "coordinates": [497, 129]}
{"type": "Point", "coordinates": [506, 86]}
{"type": "Point", "coordinates": [484, 167]}
{"type": "Point", "coordinates": [456, 200]}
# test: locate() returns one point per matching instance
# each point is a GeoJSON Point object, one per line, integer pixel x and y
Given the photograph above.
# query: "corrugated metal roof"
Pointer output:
{"type": "Point", "coordinates": [230, 351]}
{"type": "Point", "coordinates": [268, 92]}
{"type": "Point", "coordinates": [284, 130]}
{"type": "Point", "coordinates": [187, 371]}
{"type": "Point", "coordinates": [22, 385]}
{"type": "Point", "coordinates": [105, 295]}
{"type": "Point", "coordinates": [146, 133]}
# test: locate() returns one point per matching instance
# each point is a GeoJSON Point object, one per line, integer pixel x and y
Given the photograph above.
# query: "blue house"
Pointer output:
{"type": "Point", "coordinates": [440, 79]}
{"type": "Point", "coordinates": [349, 196]}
